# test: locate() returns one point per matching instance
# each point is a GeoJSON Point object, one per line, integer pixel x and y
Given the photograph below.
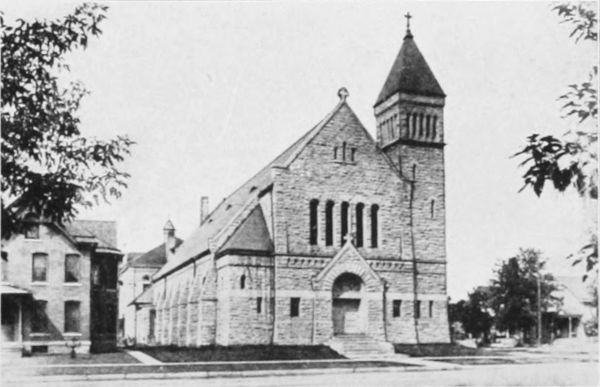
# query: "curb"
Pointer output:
{"type": "Point", "coordinates": [219, 374]}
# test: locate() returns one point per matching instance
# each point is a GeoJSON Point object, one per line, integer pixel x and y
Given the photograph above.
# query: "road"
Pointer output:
{"type": "Point", "coordinates": [563, 374]}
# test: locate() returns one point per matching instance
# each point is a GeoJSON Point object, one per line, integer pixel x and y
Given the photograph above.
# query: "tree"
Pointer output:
{"type": "Point", "coordinates": [48, 167]}
{"type": "Point", "coordinates": [473, 314]}
{"type": "Point", "coordinates": [513, 293]}
{"type": "Point", "coordinates": [572, 159]}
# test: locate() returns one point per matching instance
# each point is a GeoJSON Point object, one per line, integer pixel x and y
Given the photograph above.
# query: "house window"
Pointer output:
{"type": "Point", "coordinates": [421, 124]}
{"type": "Point", "coordinates": [434, 127]}
{"type": "Point", "coordinates": [344, 151]}
{"type": "Point", "coordinates": [352, 154]}
{"type": "Point", "coordinates": [32, 231]}
{"type": "Point", "coordinates": [427, 126]}
{"type": "Point", "coordinates": [430, 308]}
{"type": "Point", "coordinates": [39, 319]}
{"type": "Point", "coordinates": [344, 222]}
{"type": "Point", "coordinates": [432, 208]}
{"type": "Point", "coordinates": [417, 309]}
{"type": "Point", "coordinates": [329, 223]}
{"type": "Point", "coordinates": [397, 308]}
{"type": "Point", "coordinates": [4, 266]}
{"type": "Point", "coordinates": [39, 267]}
{"type": "Point", "coordinates": [335, 152]}
{"type": "Point", "coordinates": [294, 307]}
{"type": "Point", "coordinates": [259, 305]}
{"type": "Point", "coordinates": [314, 228]}
{"type": "Point", "coordinates": [374, 225]}
{"type": "Point", "coordinates": [359, 224]}
{"type": "Point", "coordinates": [243, 281]}
{"type": "Point", "coordinates": [72, 270]}
{"type": "Point", "coordinates": [414, 172]}
{"type": "Point", "coordinates": [72, 317]}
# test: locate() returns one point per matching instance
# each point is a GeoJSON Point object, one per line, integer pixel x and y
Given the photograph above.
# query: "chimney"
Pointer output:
{"type": "Point", "coordinates": [203, 209]}
{"type": "Point", "coordinates": [169, 233]}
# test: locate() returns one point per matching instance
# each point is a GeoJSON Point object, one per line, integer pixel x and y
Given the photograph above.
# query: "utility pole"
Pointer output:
{"type": "Point", "coordinates": [539, 309]}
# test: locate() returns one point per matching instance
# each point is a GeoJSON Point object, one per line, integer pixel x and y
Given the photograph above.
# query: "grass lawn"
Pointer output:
{"type": "Point", "coordinates": [171, 354]}
{"type": "Point", "coordinates": [42, 360]}
{"type": "Point", "coordinates": [441, 349]}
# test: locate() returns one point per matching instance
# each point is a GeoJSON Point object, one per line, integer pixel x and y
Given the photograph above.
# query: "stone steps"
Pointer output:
{"type": "Point", "coordinates": [360, 346]}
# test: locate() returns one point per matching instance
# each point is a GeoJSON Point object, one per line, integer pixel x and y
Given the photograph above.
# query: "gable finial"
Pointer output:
{"type": "Point", "coordinates": [343, 94]}
{"type": "Point", "coordinates": [408, 16]}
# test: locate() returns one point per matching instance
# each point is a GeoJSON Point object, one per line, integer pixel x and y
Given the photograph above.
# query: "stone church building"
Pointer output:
{"type": "Point", "coordinates": [342, 235]}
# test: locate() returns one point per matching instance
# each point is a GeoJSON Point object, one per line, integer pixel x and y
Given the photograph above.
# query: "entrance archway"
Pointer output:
{"type": "Point", "coordinates": [348, 305]}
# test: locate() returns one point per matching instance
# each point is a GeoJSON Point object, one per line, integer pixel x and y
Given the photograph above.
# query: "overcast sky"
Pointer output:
{"type": "Point", "coordinates": [213, 91]}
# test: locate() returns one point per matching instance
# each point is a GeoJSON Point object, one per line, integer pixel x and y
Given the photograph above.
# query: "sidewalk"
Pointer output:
{"type": "Point", "coordinates": [199, 370]}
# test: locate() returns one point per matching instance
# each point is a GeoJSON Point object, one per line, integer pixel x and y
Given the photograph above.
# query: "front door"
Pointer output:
{"type": "Point", "coordinates": [10, 320]}
{"type": "Point", "coordinates": [346, 316]}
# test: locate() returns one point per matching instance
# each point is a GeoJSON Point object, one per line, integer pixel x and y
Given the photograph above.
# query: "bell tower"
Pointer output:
{"type": "Point", "coordinates": [409, 113]}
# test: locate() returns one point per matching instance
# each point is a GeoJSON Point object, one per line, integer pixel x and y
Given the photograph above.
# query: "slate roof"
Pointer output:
{"type": "Point", "coordinates": [155, 257]}
{"type": "Point", "coordinates": [221, 217]}
{"type": "Point", "coordinates": [103, 233]}
{"type": "Point", "coordinates": [410, 73]}
{"type": "Point", "coordinates": [251, 235]}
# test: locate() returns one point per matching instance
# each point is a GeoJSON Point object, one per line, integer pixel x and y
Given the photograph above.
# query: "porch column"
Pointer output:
{"type": "Point", "coordinates": [20, 324]}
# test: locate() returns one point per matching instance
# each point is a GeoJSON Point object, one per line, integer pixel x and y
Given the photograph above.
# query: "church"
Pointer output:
{"type": "Point", "coordinates": [340, 240]}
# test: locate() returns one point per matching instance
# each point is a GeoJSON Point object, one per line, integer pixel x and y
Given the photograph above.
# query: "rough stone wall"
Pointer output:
{"type": "Point", "coordinates": [315, 174]}
{"type": "Point", "coordinates": [241, 319]}
{"type": "Point", "coordinates": [55, 290]}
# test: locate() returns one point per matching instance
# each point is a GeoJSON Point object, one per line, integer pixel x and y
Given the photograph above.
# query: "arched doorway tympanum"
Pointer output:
{"type": "Point", "coordinates": [348, 304]}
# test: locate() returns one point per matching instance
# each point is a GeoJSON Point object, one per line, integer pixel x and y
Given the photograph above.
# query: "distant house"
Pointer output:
{"type": "Point", "coordinates": [136, 312]}
{"type": "Point", "coordinates": [59, 284]}
{"type": "Point", "coordinates": [579, 308]}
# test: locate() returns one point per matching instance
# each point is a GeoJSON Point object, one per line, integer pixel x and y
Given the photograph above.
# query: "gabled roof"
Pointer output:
{"type": "Point", "coordinates": [410, 74]}
{"type": "Point", "coordinates": [155, 257]}
{"type": "Point", "coordinates": [103, 233]}
{"type": "Point", "coordinates": [251, 235]}
{"type": "Point", "coordinates": [197, 244]}
{"type": "Point", "coordinates": [144, 298]}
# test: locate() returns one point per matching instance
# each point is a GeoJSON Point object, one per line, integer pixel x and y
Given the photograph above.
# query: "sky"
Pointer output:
{"type": "Point", "coordinates": [213, 91]}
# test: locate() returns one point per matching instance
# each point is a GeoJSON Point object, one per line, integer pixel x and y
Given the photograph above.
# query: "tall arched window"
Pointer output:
{"type": "Point", "coordinates": [359, 224]}
{"type": "Point", "coordinates": [414, 172]}
{"type": "Point", "coordinates": [344, 222]}
{"type": "Point", "coordinates": [434, 128]}
{"type": "Point", "coordinates": [243, 281]}
{"type": "Point", "coordinates": [344, 151]}
{"type": "Point", "coordinates": [314, 227]}
{"type": "Point", "coordinates": [421, 124]}
{"type": "Point", "coordinates": [427, 126]}
{"type": "Point", "coordinates": [335, 152]}
{"type": "Point", "coordinates": [329, 223]}
{"type": "Point", "coordinates": [406, 132]}
{"type": "Point", "coordinates": [374, 225]}
{"type": "Point", "coordinates": [432, 208]}
{"type": "Point", "coordinates": [414, 125]}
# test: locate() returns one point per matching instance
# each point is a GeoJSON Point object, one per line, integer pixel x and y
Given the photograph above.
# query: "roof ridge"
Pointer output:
{"type": "Point", "coordinates": [311, 134]}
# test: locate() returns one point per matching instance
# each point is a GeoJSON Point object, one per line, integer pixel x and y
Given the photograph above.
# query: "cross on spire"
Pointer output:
{"type": "Point", "coordinates": [408, 16]}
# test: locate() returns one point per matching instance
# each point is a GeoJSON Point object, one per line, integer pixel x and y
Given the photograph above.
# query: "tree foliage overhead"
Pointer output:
{"type": "Point", "coordinates": [48, 166]}
{"type": "Point", "coordinates": [513, 293]}
{"type": "Point", "coordinates": [571, 160]}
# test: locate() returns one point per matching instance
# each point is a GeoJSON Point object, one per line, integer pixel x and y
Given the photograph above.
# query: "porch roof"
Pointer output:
{"type": "Point", "coordinates": [6, 288]}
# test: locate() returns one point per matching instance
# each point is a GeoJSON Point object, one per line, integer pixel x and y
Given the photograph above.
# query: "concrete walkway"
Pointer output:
{"type": "Point", "coordinates": [143, 358]}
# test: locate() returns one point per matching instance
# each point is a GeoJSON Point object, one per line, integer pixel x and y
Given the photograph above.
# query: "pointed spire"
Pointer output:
{"type": "Point", "coordinates": [410, 72]}
{"type": "Point", "coordinates": [169, 226]}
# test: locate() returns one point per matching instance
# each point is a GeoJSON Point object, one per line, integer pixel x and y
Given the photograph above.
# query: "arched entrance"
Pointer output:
{"type": "Point", "coordinates": [348, 305]}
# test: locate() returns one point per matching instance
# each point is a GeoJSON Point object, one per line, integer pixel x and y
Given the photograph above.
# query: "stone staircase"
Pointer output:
{"type": "Point", "coordinates": [356, 346]}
